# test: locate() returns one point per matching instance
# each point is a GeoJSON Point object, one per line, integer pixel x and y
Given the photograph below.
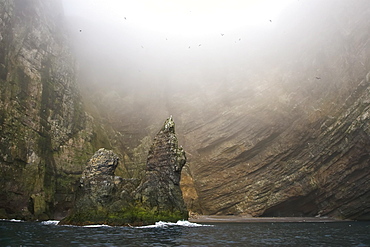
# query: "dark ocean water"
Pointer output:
{"type": "Point", "coordinates": [188, 234]}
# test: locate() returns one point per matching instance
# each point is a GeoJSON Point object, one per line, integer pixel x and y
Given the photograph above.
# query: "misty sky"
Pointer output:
{"type": "Point", "coordinates": [207, 54]}
{"type": "Point", "coordinates": [171, 41]}
{"type": "Point", "coordinates": [132, 45]}
{"type": "Point", "coordinates": [180, 17]}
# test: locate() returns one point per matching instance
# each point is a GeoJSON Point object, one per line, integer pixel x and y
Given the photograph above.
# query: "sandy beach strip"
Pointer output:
{"type": "Point", "coordinates": [232, 218]}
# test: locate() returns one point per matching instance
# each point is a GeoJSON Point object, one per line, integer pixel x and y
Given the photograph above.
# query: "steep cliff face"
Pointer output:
{"type": "Point", "coordinates": [304, 149]}
{"type": "Point", "coordinates": [306, 166]}
{"type": "Point", "coordinates": [46, 137]}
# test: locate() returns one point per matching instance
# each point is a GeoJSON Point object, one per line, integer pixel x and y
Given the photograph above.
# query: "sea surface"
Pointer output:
{"type": "Point", "coordinates": [184, 233]}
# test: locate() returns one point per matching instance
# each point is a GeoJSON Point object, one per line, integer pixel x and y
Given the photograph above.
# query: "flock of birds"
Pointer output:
{"type": "Point", "coordinates": [222, 34]}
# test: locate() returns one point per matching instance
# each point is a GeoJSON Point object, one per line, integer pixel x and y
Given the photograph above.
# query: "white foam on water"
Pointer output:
{"type": "Point", "coordinates": [189, 224]}
{"type": "Point", "coordinates": [50, 222]}
{"type": "Point", "coordinates": [96, 226]}
{"type": "Point", "coordinates": [162, 224]}
{"type": "Point", "coordinates": [12, 220]}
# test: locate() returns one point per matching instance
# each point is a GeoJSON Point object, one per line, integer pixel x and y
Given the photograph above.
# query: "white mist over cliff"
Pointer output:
{"type": "Point", "coordinates": [260, 96]}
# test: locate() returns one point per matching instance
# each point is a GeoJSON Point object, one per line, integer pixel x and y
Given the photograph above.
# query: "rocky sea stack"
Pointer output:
{"type": "Point", "coordinates": [160, 188]}
{"type": "Point", "coordinates": [104, 198]}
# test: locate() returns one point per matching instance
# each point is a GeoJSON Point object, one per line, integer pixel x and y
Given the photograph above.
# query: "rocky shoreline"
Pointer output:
{"type": "Point", "coordinates": [233, 218]}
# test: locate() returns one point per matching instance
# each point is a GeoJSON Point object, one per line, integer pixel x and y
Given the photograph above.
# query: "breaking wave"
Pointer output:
{"type": "Point", "coordinates": [50, 222]}
{"type": "Point", "coordinates": [12, 220]}
{"type": "Point", "coordinates": [159, 224]}
{"type": "Point", "coordinates": [183, 223]}
{"type": "Point", "coordinates": [95, 226]}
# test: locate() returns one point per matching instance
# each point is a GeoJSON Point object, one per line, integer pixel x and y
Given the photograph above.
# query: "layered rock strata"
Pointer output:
{"type": "Point", "coordinates": [298, 145]}
{"type": "Point", "coordinates": [317, 165]}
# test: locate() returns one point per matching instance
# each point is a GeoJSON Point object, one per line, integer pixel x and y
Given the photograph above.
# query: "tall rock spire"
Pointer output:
{"type": "Point", "coordinates": [160, 187]}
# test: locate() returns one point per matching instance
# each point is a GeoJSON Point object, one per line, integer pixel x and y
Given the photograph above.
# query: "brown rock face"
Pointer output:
{"type": "Point", "coordinates": [298, 145]}
{"type": "Point", "coordinates": [160, 187]}
{"type": "Point", "coordinates": [313, 165]}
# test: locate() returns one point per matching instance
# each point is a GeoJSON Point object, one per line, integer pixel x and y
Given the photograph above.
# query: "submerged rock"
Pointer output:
{"type": "Point", "coordinates": [104, 198]}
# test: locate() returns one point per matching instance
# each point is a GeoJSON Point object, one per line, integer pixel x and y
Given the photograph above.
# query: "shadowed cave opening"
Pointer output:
{"type": "Point", "coordinates": [301, 206]}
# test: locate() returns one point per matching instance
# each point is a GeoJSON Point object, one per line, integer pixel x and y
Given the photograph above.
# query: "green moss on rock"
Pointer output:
{"type": "Point", "coordinates": [127, 216]}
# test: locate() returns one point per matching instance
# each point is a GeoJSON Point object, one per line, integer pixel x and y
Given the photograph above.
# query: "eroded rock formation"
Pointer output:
{"type": "Point", "coordinates": [160, 188]}
{"type": "Point", "coordinates": [98, 181]}
{"type": "Point", "coordinates": [97, 190]}
{"type": "Point", "coordinates": [104, 198]}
